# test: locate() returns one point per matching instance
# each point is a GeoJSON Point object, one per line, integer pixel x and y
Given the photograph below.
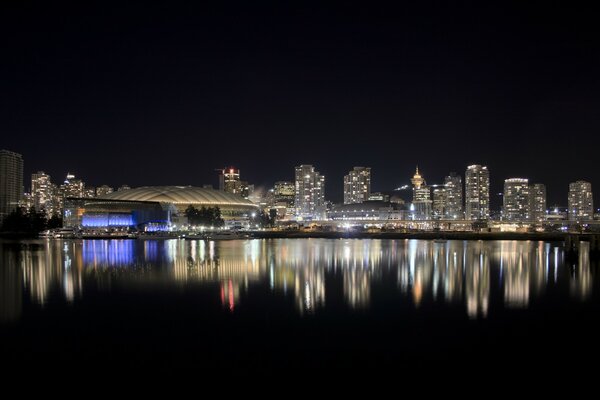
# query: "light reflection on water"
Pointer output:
{"type": "Point", "coordinates": [476, 275]}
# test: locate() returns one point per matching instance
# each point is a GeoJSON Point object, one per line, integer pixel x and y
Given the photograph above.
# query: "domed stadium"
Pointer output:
{"type": "Point", "coordinates": [152, 207]}
{"type": "Point", "coordinates": [184, 196]}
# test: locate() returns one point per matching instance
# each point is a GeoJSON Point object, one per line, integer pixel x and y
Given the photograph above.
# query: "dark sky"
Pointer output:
{"type": "Point", "coordinates": [145, 94]}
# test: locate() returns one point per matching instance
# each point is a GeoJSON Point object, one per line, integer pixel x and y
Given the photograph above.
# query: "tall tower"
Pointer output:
{"type": "Point", "coordinates": [454, 197]}
{"type": "Point", "coordinates": [477, 192]}
{"type": "Point", "coordinates": [42, 192]}
{"type": "Point", "coordinates": [11, 181]}
{"type": "Point", "coordinates": [229, 180]}
{"type": "Point", "coordinates": [581, 201]}
{"type": "Point", "coordinates": [357, 185]}
{"type": "Point", "coordinates": [537, 203]}
{"type": "Point", "coordinates": [421, 197]}
{"type": "Point", "coordinates": [310, 193]}
{"type": "Point", "coordinates": [516, 200]}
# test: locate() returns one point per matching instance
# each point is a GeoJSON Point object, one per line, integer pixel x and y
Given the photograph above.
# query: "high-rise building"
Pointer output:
{"type": "Point", "coordinates": [440, 201]}
{"type": "Point", "coordinates": [42, 192]}
{"type": "Point", "coordinates": [357, 185]}
{"type": "Point", "coordinates": [516, 200]}
{"type": "Point", "coordinates": [73, 187]}
{"type": "Point", "coordinates": [537, 203]}
{"type": "Point", "coordinates": [454, 197]}
{"type": "Point", "coordinates": [11, 181]}
{"type": "Point", "coordinates": [310, 193]}
{"type": "Point", "coordinates": [281, 198]}
{"type": "Point", "coordinates": [421, 205]}
{"type": "Point", "coordinates": [581, 202]}
{"type": "Point", "coordinates": [103, 190]}
{"type": "Point", "coordinates": [229, 180]}
{"type": "Point", "coordinates": [477, 192]}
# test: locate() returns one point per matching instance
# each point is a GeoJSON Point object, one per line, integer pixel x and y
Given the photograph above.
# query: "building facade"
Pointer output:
{"type": "Point", "coordinates": [309, 193]}
{"type": "Point", "coordinates": [104, 190]}
{"type": "Point", "coordinates": [440, 201]}
{"type": "Point", "coordinates": [581, 201]}
{"type": "Point", "coordinates": [357, 185]}
{"type": "Point", "coordinates": [43, 192]}
{"type": "Point", "coordinates": [11, 181]}
{"type": "Point", "coordinates": [421, 205]}
{"type": "Point", "coordinates": [454, 197]}
{"type": "Point", "coordinates": [537, 203]}
{"type": "Point", "coordinates": [477, 192]}
{"type": "Point", "coordinates": [516, 200]}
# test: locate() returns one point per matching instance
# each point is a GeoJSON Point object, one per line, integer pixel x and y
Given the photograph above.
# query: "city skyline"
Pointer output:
{"type": "Point", "coordinates": [245, 189]}
{"type": "Point", "coordinates": [139, 100]}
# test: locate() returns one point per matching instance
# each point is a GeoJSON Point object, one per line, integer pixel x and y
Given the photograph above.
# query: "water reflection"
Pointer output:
{"type": "Point", "coordinates": [474, 275]}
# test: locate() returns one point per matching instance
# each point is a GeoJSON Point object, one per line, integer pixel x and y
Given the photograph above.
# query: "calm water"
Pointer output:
{"type": "Point", "coordinates": [295, 304]}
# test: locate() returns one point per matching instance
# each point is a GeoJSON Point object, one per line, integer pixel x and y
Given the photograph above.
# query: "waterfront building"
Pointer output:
{"type": "Point", "coordinates": [454, 197]}
{"type": "Point", "coordinates": [516, 200]}
{"type": "Point", "coordinates": [42, 192]}
{"type": "Point", "coordinates": [477, 192]}
{"type": "Point", "coordinates": [357, 185]}
{"type": "Point", "coordinates": [581, 202]}
{"type": "Point", "coordinates": [439, 202]}
{"type": "Point", "coordinates": [421, 205]}
{"type": "Point", "coordinates": [152, 207]}
{"type": "Point", "coordinates": [537, 203]}
{"type": "Point", "coordinates": [11, 181]}
{"type": "Point", "coordinates": [309, 193]}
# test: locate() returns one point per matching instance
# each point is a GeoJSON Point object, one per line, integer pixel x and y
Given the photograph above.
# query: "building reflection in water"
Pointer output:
{"type": "Point", "coordinates": [465, 273]}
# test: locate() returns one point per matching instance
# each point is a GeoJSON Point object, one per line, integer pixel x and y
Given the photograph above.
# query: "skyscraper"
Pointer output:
{"type": "Point", "coordinates": [11, 181]}
{"type": "Point", "coordinates": [229, 180]}
{"type": "Point", "coordinates": [516, 200]}
{"type": "Point", "coordinates": [310, 193]}
{"type": "Point", "coordinates": [357, 185]}
{"type": "Point", "coordinates": [42, 191]}
{"type": "Point", "coordinates": [581, 202]}
{"type": "Point", "coordinates": [440, 198]}
{"type": "Point", "coordinates": [477, 192]}
{"type": "Point", "coordinates": [454, 197]}
{"type": "Point", "coordinates": [537, 203]}
{"type": "Point", "coordinates": [421, 197]}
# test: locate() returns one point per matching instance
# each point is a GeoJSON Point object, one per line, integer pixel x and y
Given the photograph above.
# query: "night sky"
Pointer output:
{"type": "Point", "coordinates": [149, 95]}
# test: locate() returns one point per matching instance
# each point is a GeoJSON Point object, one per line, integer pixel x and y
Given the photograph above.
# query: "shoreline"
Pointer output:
{"type": "Point", "coordinates": [549, 237]}
{"type": "Point", "coordinates": [535, 236]}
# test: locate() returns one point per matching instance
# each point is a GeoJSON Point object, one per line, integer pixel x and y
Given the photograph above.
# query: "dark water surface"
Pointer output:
{"type": "Point", "coordinates": [251, 306]}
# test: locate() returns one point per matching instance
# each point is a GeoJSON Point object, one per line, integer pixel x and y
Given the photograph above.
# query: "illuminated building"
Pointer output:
{"type": "Point", "coordinates": [123, 187]}
{"type": "Point", "coordinates": [378, 196]}
{"type": "Point", "coordinates": [11, 181]}
{"type": "Point", "coordinates": [454, 197]}
{"type": "Point", "coordinates": [357, 185]}
{"type": "Point", "coordinates": [229, 181]}
{"type": "Point", "coordinates": [72, 187]}
{"type": "Point", "coordinates": [439, 203]}
{"type": "Point", "coordinates": [89, 192]}
{"type": "Point", "coordinates": [281, 198]}
{"type": "Point", "coordinates": [310, 193]}
{"type": "Point", "coordinates": [42, 192]}
{"type": "Point", "coordinates": [516, 200]}
{"type": "Point", "coordinates": [103, 190]}
{"type": "Point", "coordinates": [421, 205]}
{"type": "Point", "coordinates": [581, 202]}
{"type": "Point", "coordinates": [151, 206]}
{"type": "Point", "coordinates": [537, 203]}
{"type": "Point", "coordinates": [477, 192]}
